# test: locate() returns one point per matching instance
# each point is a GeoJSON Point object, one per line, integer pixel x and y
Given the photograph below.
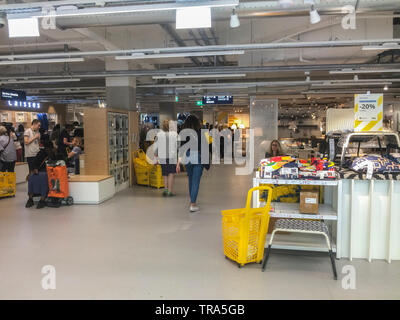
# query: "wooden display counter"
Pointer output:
{"type": "Point", "coordinates": [91, 189]}
{"type": "Point", "coordinates": [21, 171]}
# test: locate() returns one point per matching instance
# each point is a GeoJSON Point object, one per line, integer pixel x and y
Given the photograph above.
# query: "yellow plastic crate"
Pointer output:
{"type": "Point", "coordinates": [7, 184]}
{"type": "Point", "coordinates": [244, 230]}
{"type": "Point", "coordinates": [156, 178]}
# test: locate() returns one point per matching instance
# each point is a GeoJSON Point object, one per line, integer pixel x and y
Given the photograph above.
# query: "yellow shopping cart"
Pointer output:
{"type": "Point", "coordinates": [244, 230]}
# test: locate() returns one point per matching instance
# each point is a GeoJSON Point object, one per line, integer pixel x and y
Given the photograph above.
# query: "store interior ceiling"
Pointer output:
{"type": "Point", "coordinates": [276, 52]}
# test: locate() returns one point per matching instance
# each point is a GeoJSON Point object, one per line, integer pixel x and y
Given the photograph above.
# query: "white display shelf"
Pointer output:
{"type": "Point", "coordinates": [298, 182]}
{"type": "Point", "coordinates": [291, 210]}
{"type": "Point", "coordinates": [297, 241]}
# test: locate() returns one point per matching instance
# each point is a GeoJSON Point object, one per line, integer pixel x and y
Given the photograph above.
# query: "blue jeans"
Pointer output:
{"type": "Point", "coordinates": [194, 172]}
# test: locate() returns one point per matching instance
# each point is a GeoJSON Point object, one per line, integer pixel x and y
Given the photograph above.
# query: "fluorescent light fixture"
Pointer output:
{"type": "Point", "coordinates": [136, 56]}
{"type": "Point", "coordinates": [384, 46]}
{"type": "Point", "coordinates": [314, 16]}
{"type": "Point", "coordinates": [23, 27]}
{"type": "Point", "coordinates": [285, 3]}
{"type": "Point", "coordinates": [69, 12]}
{"type": "Point", "coordinates": [35, 61]}
{"type": "Point", "coordinates": [193, 17]}
{"type": "Point", "coordinates": [386, 88]}
{"type": "Point", "coordinates": [234, 23]}
{"type": "Point", "coordinates": [352, 71]}
{"type": "Point", "coordinates": [358, 83]}
{"type": "Point", "coordinates": [41, 80]}
{"type": "Point", "coordinates": [188, 76]}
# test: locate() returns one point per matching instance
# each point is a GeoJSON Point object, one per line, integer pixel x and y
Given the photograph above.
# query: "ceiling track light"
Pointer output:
{"type": "Point", "coordinates": [314, 16]}
{"type": "Point", "coordinates": [234, 23]}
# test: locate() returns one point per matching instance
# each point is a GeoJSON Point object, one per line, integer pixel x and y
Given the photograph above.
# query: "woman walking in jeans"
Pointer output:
{"type": "Point", "coordinates": [194, 167]}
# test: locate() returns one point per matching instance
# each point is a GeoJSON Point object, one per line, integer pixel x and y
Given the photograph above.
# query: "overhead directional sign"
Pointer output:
{"type": "Point", "coordinates": [210, 100]}
{"type": "Point", "coordinates": [9, 94]}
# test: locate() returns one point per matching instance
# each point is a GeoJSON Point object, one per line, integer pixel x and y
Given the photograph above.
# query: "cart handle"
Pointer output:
{"type": "Point", "coordinates": [262, 188]}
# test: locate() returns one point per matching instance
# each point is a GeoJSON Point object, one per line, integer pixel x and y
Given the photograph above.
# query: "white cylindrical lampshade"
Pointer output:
{"type": "Point", "coordinates": [234, 21]}
{"type": "Point", "coordinates": [314, 16]}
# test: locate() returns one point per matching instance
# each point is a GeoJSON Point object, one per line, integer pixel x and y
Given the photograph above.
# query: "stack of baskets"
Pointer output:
{"type": "Point", "coordinates": [147, 174]}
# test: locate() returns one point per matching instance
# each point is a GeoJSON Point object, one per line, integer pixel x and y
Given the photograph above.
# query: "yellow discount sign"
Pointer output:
{"type": "Point", "coordinates": [368, 110]}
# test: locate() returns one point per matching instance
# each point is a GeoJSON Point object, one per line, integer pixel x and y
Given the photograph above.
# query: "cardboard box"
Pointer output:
{"type": "Point", "coordinates": [309, 201]}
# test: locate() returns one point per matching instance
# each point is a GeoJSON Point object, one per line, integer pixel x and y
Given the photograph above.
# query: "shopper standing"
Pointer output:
{"type": "Point", "coordinates": [194, 167]}
{"type": "Point", "coordinates": [31, 142]}
{"type": "Point", "coordinates": [17, 145]}
{"type": "Point", "coordinates": [8, 155]}
{"type": "Point", "coordinates": [55, 135]}
{"type": "Point", "coordinates": [167, 155]}
{"type": "Point", "coordinates": [64, 141]}
{"type": "Point", "coordinates": [73, 156]}
{"type": "Point", "coordinates": [20, 137]}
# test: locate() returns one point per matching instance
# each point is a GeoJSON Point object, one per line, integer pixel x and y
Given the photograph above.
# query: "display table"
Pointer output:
{"type": "Point", "coordinates": [364, 217]}
{"type": "Point", "coordinates": [91, 189]}
{"type": "Point", "coordinates": [330, 211]}
{"type": "Point", "coordinates": [21, 171]}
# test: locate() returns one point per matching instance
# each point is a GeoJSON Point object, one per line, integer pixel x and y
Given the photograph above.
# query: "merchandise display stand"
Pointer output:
{"type": "Point", "coordinates": [329, 211]}
{"type": "Point", "coordinates": [110, 137]}
{"type": "Point", "coordinates": [93, 189]}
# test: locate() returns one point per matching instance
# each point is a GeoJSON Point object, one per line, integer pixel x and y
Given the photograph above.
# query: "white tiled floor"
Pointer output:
{"type": "Point", "coordinates": [140, 245]}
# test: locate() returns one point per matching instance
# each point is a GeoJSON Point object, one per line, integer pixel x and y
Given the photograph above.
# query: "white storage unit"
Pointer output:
{"type": "Point", "coordinates": [371, 219]}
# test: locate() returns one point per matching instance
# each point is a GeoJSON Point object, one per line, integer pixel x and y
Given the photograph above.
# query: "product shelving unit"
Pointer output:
{"type": "Point", "coordinates": [118, 134]}
{"type": "Point", "coordinates": [330, 212]}
{"type": "Point", "coordinates": [111, 136]}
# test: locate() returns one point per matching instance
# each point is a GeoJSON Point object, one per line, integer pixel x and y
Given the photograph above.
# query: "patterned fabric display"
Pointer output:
{"type": "Point", "coordinates": [380, 164]}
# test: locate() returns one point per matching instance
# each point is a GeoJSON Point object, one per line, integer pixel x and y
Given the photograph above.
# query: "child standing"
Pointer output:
{"type": "Point", "coordinates": [73, 156]}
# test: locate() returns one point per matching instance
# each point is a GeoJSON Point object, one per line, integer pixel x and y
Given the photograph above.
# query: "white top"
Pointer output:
{"type": "Point", "coordinates": [167, 145]}
{"type": "Point", "coordinates": [32, 149]}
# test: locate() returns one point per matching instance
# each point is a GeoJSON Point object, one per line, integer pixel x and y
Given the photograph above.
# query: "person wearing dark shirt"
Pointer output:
{"type": "Point", "coordinates": [64, 141]}
{"type": "Point", "coordinates": [38, 181]}
{"type": "Point", "coordinates": [194, 167]}
{"type": "Point", "coordinates": [275, 150]}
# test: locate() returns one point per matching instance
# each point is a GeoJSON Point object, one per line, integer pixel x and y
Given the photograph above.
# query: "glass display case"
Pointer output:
{"type": "Point", "coordinates": [118, 131]}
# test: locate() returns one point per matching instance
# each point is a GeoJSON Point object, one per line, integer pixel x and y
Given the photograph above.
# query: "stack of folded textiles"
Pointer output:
{"type": "Point", "coordinates": [288, 167]}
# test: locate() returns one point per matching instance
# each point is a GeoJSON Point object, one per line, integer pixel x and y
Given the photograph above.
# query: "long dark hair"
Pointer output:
{"type": "Point", "coordinates": [192, 122]}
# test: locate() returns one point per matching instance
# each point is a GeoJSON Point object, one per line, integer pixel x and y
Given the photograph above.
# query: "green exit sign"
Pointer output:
{"type": "Point", "coordinates": [176, 99]}
{"type": "Point", "coordinates": [199, 103]}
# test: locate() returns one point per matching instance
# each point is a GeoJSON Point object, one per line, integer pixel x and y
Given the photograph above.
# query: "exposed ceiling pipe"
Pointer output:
{"type": "Point", "coordinates": [216, 48]}
{"type": "Point", "coordinates": [205, 70]}
{"type": "Point", "coordinates": [191, 33]}
{"type": "Point", "coordinates": [175, 36]}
